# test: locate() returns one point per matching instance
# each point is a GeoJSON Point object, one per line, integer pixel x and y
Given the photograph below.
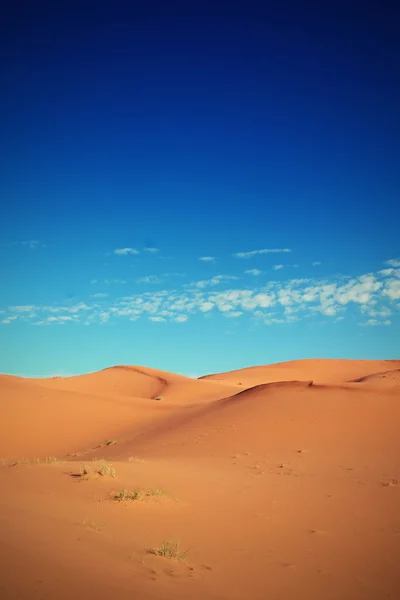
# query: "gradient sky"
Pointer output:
{"type": "Point", "coordinates": [198, 186]}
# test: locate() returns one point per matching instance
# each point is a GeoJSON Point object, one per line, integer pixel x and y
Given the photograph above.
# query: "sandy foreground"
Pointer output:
{"type": "Point", "coordinates": [281, 482]}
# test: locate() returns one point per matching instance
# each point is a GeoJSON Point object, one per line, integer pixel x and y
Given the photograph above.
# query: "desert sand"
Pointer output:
{"type": "Point", "coordinates": [280, 482]}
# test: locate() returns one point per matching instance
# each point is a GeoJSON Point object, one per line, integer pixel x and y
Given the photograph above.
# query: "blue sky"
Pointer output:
{"type": "Point", "coordinates": [140, 142]}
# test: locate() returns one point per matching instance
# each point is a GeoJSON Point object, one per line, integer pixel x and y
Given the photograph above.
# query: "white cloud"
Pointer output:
{"type": "Point", "coordinates": [393, 262]}
{"type": "Point", "coordinates": [151, 250]}
{"type": "Point", "coordinates": [263, 251]}
{"type": "Point", "coordinates": [375, 323]}
{"type": "Point", "coordinates": [277, 267]}
{"type": "Point", "coordinates": [78, 307]}
{"type": "Point", "coordinates": [213, 281]}
{"type": "Point", "coordinates": [207, 258]}
{"type": "Point", "coordinates": [54, 321]}
{"type": "Point", "coordinates": [376, 312]}
{"type": "Point", "coordinates": [93, 281]}
{"type": "Point", "coordinates": [316, 263]}
{"type": "Point", "coordinates": [126, 251]}
{"type": "Point", "coordinates": [254, 272]}
{"type": "Point", "coordinates": [392, 289]}
{"type": "Point", "coordinates": [8, 320]}
{"type": "Point", "coordinates": [99, 295]}
{"type": "Point", "coordinates": [386, 272]}
{"type": "Point", "coordinates": [206, 306]}
{"type": "Point", "coordinates": [328, 311]}
{"type": "Point", "coordinates": [371, 295]}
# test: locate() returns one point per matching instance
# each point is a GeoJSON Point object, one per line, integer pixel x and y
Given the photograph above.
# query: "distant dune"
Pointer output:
{"type": "Point", "coordinates": [282, 481]}
{"type": "Point", "coordinates": [319, 370]}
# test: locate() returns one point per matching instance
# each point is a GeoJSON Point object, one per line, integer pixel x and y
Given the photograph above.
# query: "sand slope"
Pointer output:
{"type": "Point", "coordinates": [281, 480]}
{"type": "Point", "coordinates": [319, 370]}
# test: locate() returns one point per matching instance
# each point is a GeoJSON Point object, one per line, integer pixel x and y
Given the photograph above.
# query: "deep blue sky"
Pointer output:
{"type": "Point", "coordinates": [199, 129]}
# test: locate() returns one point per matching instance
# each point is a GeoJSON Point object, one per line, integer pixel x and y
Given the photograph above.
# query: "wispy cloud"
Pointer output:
{"type": "Point", "coordinates": [27, 308]}
{"type": "Point", "coordinates": [392, 289]}
{"type": "Point", "coordinates": [375, 323]}
{"type": "Point", "coordinates": [59, 320]}
{"type": "Point", "coordinates": [181, 318]}
{"type": "Point", "coordinates": [277, 267]}
{"type": "Point", "coordinates": [373, 296]}
{"type": "Point", "coordinates": [151, 250]}
{"type": "Point", "coordinates": [254, 272]}
{"type": "Point", "coordinates": [251, 253]}
{"type": "Point", "coordinates": [213, 281]}
{"type": "Point", "coordinates": [316, 263]}
{"type": "Point", "coordinates": [8, 320]}
{"type": "Point", "coordinates": [207, 258]}
{"type": "Point", "coordinates": [393, 262]}
{"type": "Point", "coordinates": [33, 244]}
{"type": "Point", "coordinates": [99, 295]}
{"type": "Point", "coordinates": [126, 251]}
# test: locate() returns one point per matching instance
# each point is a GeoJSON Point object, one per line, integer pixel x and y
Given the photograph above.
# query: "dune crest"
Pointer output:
{"type": "Point", "coordinates": [281, 481]}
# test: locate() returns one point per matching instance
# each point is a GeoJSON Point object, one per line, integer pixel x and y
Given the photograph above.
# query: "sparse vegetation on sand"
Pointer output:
{"type": "Point", "coordinates": [170, 549]}
{"type": "Point", "coordinates": [140, 494]}
{"type": "Point", "coordinates": [101, 467]}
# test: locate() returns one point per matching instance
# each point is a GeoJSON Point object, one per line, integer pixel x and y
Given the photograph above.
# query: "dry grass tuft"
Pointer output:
{"type": "Point", "coordinates": [101, 467]}
{"type": "Point", "coordinates": [140, 494]}
{"type": "Point", "coordinates": [170, 549]}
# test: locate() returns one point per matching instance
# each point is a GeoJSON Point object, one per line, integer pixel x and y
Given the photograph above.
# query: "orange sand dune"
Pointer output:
{"type": "Point", "coordinates": [62, 415]}
{"type": "Point", "coordinates": [281, 481]}
{"type": "Point", "coordinates": [319, 370]}
{"type": "Point", "coordinates": [387, 379]}
{"type": "Point", "coordinates": [140, 382]}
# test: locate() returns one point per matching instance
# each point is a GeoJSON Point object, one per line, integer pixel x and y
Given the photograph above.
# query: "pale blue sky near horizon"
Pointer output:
{"type": "Point", "coordinates": [198, 188]}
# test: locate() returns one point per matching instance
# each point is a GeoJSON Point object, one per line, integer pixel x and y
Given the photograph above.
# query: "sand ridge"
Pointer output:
{"type": "Point", "coordinates": [281, 481]}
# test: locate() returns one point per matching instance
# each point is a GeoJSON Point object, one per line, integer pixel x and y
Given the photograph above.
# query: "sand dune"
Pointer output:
{"type": "Point", "coordinates": [282, 481]}
{"type": "Point", "coordinates": [388, 379]}
{"type": "Point", "coordinates": [318, 370]}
